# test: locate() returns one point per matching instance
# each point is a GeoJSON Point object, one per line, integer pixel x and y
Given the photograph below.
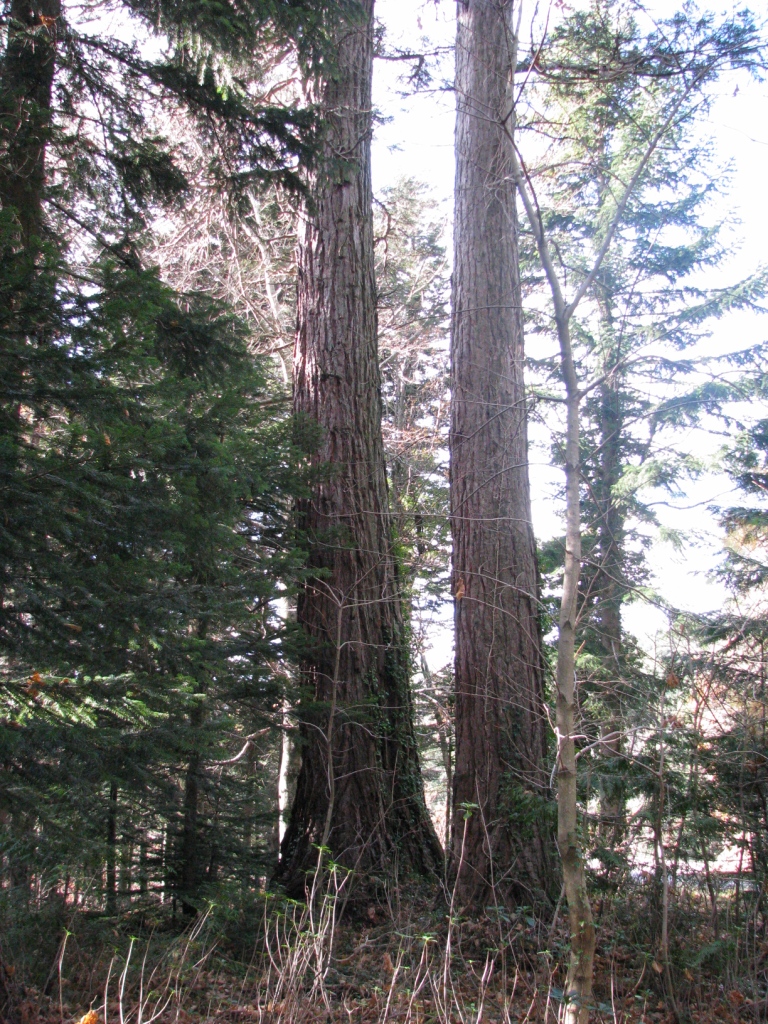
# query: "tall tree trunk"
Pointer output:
{"type": "Point", "coordinates": [111, 901]}
{"type": "Point", "coordinates": [500, 723]}
{"type": "Point", "coordinates": [286, 749]}
{"type": "Point", "coordinates": [608, 588]}
{"type": "Point", "coordinates": [609, 592]}
{"type": "Point", "coordinates": [143, 867]}
{"type": "Point", "coordinates": [578, 985]}
{"type": "Point", "coordinates": [190, 867]}
{"type": "Point", "coordinates": [578, 982]}
{"type": "Point", "coordinates": [359, 791]}
{"type": "Point", "coordinates": [26, 83]}
{"type": "Point", "coordinates": [189, 874]}
{"type": "Point", "coordinates": [126, 870]}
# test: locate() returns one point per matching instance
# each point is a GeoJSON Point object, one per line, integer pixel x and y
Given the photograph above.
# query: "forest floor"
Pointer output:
{"type": "Point", "coordinates": [374, 971]}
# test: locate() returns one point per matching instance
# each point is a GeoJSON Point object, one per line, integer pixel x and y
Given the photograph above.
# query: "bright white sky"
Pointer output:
{"type": "Point", "coordinates": [417, 141]}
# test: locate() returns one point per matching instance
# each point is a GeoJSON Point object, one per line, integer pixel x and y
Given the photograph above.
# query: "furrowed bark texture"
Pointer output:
{"type": "Point", "coordinates": [500, 721]}
{"type": "Point", "coordinates": [26, 83]}
{"type": "Point", "coordinates": [359, 790]}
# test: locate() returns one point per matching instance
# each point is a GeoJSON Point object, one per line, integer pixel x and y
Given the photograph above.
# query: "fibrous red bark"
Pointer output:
{"type": "Point", "coordinates": [26, 83]}
{"type": "Point", "coordinates": [502, 839]}
{"type": "Point", "coordinates": [359, 791]}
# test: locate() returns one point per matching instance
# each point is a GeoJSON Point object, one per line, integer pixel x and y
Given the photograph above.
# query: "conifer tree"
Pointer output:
{"type": "Point", "coordinates": [501, 841]}
{"type": "Point", "coordinates": [146, 483]}
{"type": "Point", "coordinates": [359, 791]}
{"type": "Point", "coordinates": [641, 312]}
{"type": "Point", "coordinates": [686, 56]}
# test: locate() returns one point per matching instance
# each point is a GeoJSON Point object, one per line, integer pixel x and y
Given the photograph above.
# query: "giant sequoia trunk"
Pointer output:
{"type": "Point", "coordinates": [503, 840]}
{"type": "Point", "coordinates": [359, 790]}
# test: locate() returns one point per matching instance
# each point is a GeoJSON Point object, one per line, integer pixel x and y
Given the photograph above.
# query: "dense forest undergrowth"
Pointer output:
{"type": "Point", "coordinates": [281, 962]}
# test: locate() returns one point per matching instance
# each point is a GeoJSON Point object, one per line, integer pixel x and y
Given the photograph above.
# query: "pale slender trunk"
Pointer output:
{"type": "Point", "coordinates": [286, 609]}
{"type": "Point", "coordinates": [578, 985]}
{"type": "Point", "coordinates": [165, 847]}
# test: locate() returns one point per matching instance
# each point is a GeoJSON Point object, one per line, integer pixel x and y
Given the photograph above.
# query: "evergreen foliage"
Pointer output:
{"type": "Point", "coordinates": [146, 469]}
{"type": "Point", "coordinates": [151, 155]}
{"type": "Point", "coordinates": [640, 319]}
{"type": "Point", "coordinates": [412, 282]}
{"type": "Point", "coordinates": [413, 286]}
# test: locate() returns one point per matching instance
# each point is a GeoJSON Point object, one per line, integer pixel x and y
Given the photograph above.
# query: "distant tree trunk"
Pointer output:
{"type": "Point", "coordinates": [609, 588]}
{"type": "Point", "coordinates": [189, 873]}
{"type": "Point", "coordinates": [168, 866]}
{"type": "Point", "coordinates": [143, 873]}
{"type": "Point", "coordinates": [505, 844]}
{"type": "Point", "coordinates": [212, 871]}
{"type": "Point", "coordinates": [578, 984]}
{"type": "Point", "coordinates": [26, 82]}
{"type": "Point", "coordinates": [111, 901]}
{"type": "Point", "coordinates": [126, 869]}
{"type": "Point", "coordinates": [359, 790]}
{"type": "Point", "coordinates": [610, 591]}
{"type": "Point", "coordinates": [286, 748]}
{"type": "Point", "coordinates": [18, 862]}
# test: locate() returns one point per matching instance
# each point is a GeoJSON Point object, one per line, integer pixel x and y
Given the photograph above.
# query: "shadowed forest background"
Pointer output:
{"type": "Point", "coordinates": [299, 721]}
